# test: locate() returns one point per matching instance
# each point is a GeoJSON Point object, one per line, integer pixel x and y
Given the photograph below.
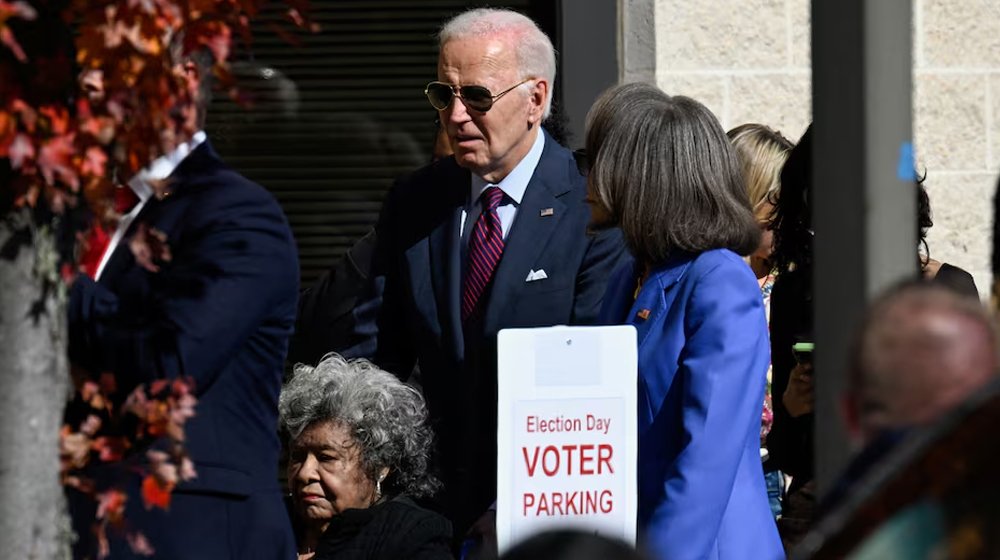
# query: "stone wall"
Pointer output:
{"type": "Point", "coordinates": [748, 61]}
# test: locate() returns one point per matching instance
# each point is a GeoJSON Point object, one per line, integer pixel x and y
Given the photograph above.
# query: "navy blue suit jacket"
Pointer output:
{"type": "Point", "coordinates": [418, 258]}
{"type": "Point", "coordinates": [220, 312]}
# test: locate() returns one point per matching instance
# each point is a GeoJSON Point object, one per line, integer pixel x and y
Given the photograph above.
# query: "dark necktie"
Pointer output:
{"type": "Point", "coordinates": [485, 250]}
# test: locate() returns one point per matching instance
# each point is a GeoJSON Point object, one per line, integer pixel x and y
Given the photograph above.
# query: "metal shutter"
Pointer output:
{"type": "Point", "coordinates": [360, 119]}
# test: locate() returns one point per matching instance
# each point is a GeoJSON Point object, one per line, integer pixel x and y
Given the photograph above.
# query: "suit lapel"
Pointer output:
{"type": "Point", "coordinates": [530, 232]}
{"type": "Point", "coordinates": [445, 260]}
{"type": "Point", "coordinates": [652, 297]}
{"type": "Point", "coordinates": [121, 259]}
{"type": "Point", "coordinates": [199, 162]}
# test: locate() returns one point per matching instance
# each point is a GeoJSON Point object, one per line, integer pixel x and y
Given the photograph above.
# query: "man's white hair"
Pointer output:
{"type": "Point", "coordinates": [535, 55]}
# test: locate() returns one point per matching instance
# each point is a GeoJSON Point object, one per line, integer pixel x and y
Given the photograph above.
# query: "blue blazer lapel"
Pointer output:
{"type": "Point", "coordinates": [530, 231]}
{"type": "Point", "coordinates": [652, 297]}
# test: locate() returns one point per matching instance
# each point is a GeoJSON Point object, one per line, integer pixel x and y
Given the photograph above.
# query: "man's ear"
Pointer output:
{"type": "Point", "coordinates": [536, 99]}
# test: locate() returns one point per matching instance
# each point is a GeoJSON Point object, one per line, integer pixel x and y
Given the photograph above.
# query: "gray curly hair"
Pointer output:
{"type": "Point", "coordinates": [386, 417]}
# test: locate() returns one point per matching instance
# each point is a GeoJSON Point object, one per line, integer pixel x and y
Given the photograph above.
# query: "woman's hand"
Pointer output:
{"type": "Point", "coordinates": [799, 396]}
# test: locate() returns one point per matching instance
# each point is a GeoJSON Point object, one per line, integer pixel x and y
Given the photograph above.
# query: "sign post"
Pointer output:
{"type": "Point", "coordinates": [567, 431]}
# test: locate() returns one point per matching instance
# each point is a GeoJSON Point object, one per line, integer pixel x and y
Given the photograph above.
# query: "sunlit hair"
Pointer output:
{"type": "Point", "coordinates": [535, 54]}
{"type": "Point", "coordinates": [667, 174]}
{"type": "Point", "coordinates": [762, 152]}
{"type": "Point", "coordinates": [385, 417]}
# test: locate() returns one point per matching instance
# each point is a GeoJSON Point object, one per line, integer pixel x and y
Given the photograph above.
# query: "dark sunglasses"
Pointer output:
{"type": "Point", "coordinates": [477, 98]}
{"type": "Point", "coordinates": [582, 161]}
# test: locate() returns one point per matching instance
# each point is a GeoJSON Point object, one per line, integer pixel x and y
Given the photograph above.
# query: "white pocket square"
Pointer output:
{"type": "Point", "coordinates": [536, 275]}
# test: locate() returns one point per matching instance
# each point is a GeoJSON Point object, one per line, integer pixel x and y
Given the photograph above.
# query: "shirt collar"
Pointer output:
{"type": "Point", "coordinates": [516, 182]}
{"type": "Point", "coordinates": [163, 166]}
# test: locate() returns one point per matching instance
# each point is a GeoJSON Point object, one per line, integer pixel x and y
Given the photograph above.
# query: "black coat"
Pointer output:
{"type": "Point", "coordinates": [394, 530]}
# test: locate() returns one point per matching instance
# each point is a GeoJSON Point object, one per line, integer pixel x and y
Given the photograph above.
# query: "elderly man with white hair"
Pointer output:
{"type": "Point", "coordinates": [493, 237]}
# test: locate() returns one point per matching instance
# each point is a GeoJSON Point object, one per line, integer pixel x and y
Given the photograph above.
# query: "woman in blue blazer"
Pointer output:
{"type": "Point", "coordinates": [664, 172]}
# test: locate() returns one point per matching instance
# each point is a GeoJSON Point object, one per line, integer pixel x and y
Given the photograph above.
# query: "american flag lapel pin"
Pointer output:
{"type": "Point", "coordinates": [643, 314]}
{"type": "Point", "coordinates": [546, 212]}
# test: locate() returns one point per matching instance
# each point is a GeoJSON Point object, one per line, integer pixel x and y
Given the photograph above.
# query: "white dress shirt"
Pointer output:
{"type": "Point", "coordinates": [158, 170]}
{"type": "Point", "coordinates": [513, 187]}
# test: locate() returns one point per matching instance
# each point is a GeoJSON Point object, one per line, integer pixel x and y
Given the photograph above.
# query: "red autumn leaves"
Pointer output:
{"type": "Point", "coordinates": [141, 437]}
{"type": "Point", "coordinates": [68, 152]}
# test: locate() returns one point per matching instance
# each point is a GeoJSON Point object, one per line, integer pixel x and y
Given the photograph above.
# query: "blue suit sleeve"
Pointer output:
{"type": "Point", "coordinates": [723, 368]}
{"type": "Point", "coordinates": [605, 253]}
{"type": "Point", "coordinates": [232, 274]}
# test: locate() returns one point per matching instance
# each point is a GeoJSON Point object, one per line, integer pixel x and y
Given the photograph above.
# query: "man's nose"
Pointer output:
{"type": "Point", "coordinates": [456, 111]}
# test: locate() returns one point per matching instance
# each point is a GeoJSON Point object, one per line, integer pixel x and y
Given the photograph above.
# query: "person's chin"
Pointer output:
{"type": "Point", "coordinates": [469, 160]}
{"type": "Point", "coordinates": [317, 512]}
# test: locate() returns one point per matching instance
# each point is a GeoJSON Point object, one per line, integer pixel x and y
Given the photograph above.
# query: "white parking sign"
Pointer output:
{"type": "Point", "coordinates": [567, 431]}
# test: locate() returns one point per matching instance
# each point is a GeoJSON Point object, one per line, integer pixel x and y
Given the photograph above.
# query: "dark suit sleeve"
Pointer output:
{"type": "Point", "coordinates": [394, 350]}
{"type": "Point", "coordinates": [234, 266]}
{"type": "Point", "coordinates": [337, 313]}
{"type": "Point", "coordinates": [605, 252]}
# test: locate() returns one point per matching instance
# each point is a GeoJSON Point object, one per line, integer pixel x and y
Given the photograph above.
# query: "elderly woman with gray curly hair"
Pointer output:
{"type": "Point", "coordinates": [358, 456]}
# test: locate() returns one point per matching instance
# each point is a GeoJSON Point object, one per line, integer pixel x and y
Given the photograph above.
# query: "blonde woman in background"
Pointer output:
{"type": "Point", "coordinates": [762, 152]}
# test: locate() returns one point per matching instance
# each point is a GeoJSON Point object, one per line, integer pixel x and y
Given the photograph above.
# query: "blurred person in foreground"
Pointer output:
{"type": "Point", "coordinates": [200, 280]}
{"type": "Point", "coordinates": [571, 544]}
{"type": "Point", "coordinates": [922, 350]}
{"type": "Point", "coordinates": [762, 152]}
{"type": "Point", "coordinates": [664, 171]}
{"type": "Point", "coordinates": [493, 237]}
{"type": "Point", "coordinates": [790, 442]}
{"type": "Point", "coordinates": [358, 456]}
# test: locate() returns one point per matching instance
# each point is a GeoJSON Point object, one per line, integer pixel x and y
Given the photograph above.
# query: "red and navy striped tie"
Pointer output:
{"type": "Point", "coordinates": [485, 249]}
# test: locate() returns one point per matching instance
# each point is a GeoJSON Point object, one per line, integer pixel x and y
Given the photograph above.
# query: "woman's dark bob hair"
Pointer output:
{"type": "Point", "coordinates": [667, 174]}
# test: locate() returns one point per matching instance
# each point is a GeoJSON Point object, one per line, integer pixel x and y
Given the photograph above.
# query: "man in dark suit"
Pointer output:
{"type": "Point", "coordinates": [491, 238]}
{"type": "Point", "coordinates": [201, 281]}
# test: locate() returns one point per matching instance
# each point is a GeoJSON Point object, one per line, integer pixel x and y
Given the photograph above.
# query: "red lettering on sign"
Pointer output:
{"type": "Point", "coordinates": [577, 502]}
{"type": "Point", "coordinates": [604, 457]}
{"type": "Point", "coordinates": [586, 457]}
{"type": "Point", "coordinates": [532, 463]}
{"type": "Point", "coordinates": [551, 468]}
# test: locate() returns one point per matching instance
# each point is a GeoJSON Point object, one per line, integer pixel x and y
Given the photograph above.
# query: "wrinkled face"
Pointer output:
{"type": "Point", "coordinates": [325, 473]}
{"type": "Point", "coordinates": [490, 144]}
